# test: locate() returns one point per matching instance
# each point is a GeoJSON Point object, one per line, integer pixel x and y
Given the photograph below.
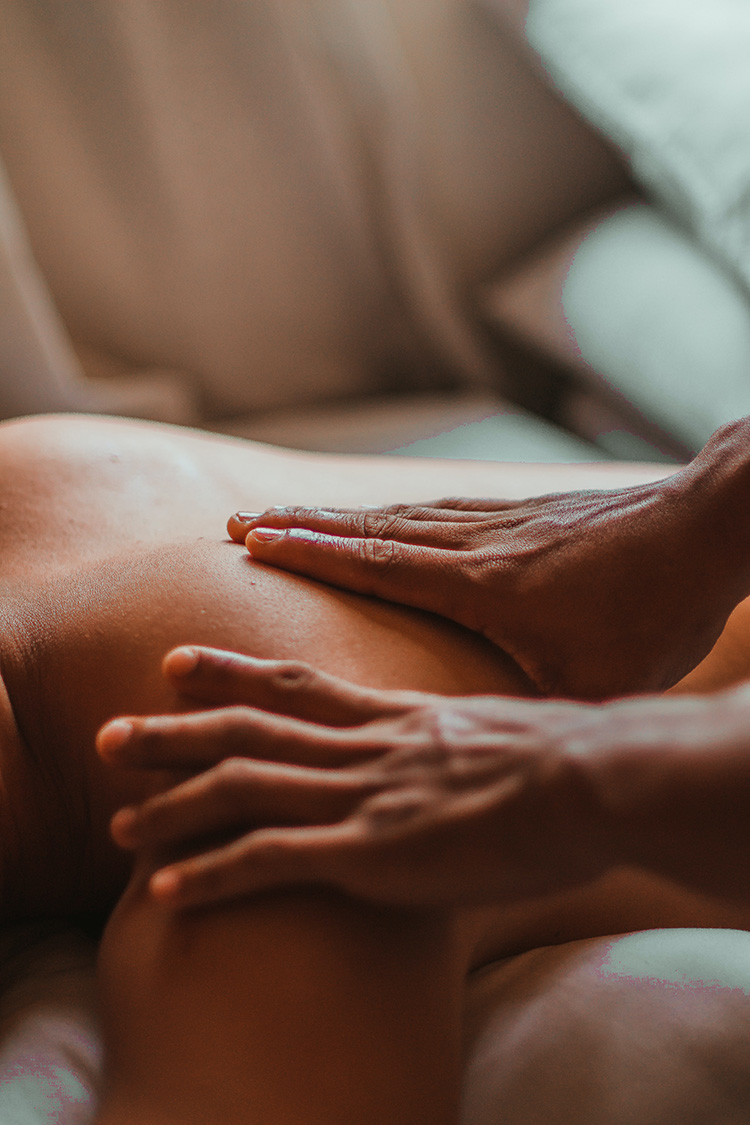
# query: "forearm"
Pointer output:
{"type": "Point", "coordinates": [672, 790]}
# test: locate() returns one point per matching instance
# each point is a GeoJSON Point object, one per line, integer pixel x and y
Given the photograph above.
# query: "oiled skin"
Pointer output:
{"type": "Point", "coordinates": [114, 550]}
{"type": "Point", "coordinates": [100, 577]}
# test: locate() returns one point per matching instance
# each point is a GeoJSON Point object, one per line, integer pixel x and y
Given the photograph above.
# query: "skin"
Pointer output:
{"type": "Point", "coordinates": [440, 801]}
{"type": "Point", "coordinates": [89, 527]}
{"type": "Point", "coordinates": [102, 521]}
{"type": "Point", "coordinates": [69, 548]}
{"type": "Point", "coordinates": [416, 795]}
{"type": "Point", "coordinates": [112, 556]}
{"type": "Point", "coordinates": [595, 594]}
{"type": "Point", "coordinates": [410, 798]}
{"type": "Point", "coordinates": [91, 563]}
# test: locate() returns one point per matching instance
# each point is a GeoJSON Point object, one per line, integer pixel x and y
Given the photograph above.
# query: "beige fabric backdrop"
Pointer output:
{"type": "Point", "coordinates": [278, 200]}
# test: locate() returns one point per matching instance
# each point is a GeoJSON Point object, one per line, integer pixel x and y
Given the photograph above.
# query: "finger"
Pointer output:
{"type": "Point", "coordinates": [281, 686]}
{"type": "Point", "coordinates": [262, 860]}
{"type": "Point", "coordinates": [320, 519]}
{"type": "Point", "coordinates": [200, 739]}
{"type": "Point", "coordinates": [437, 513]}
{"type": "Point", "coordinates": [423, 577]}
{"type": "Point", "coordinates": [448, 509]}
{"type": "Point", "coordinates": [239, 793]}
{"type": "Point", "coordinates": [473, 507]}
{"type": "Point", "coordinates": [373, 523]}
{"type": "Point", "coordinates": [239, 523]}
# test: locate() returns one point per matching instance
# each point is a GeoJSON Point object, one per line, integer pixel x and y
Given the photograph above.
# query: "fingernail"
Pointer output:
{"type": "Point", "coordinates": [181, 661]}
{"type": "Point", "coordinates": [165, 883]}
{"type": "Point", "coordinates": [114, 736]}
{"type": "Point", "coordinates": [266, 534]}
{"type": "Point", "coordinates": [246, 517]}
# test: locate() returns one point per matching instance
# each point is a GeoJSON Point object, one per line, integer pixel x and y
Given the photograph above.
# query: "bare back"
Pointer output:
{"type": "Point", "coordinates": [115, 550]}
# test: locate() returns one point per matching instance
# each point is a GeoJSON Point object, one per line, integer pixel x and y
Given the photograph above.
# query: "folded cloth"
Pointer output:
{"type": "Point", "coordinates": [667, 81]}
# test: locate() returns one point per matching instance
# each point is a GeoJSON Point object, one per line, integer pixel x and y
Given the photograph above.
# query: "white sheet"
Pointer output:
{"type": "Point", "coordinates": [50, 1052]}
{"type": "Point", "coordinates": [669, 82]}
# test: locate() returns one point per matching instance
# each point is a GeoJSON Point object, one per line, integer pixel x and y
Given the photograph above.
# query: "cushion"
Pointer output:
{"type": "Point", "coordinates": [668, 81]}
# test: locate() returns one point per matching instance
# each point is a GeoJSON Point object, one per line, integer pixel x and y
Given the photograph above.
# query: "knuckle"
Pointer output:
{"type": "Point", "coordinates": [292, 675]}
{"type": "Point", "coordinates": [429, 726]}
{"type": "Point", "coordinates": [233, 772]}
{"type": "Point", "coordinates": [390, 523]}
{"type": "Point", "coordinates": [444, 729]}
{"type": "Point", "coordinates": [374, 524]}
{"type": "Point", "coordinates": [481, 566]}
{"type": "Point", "coordinates": [380, 553]}
{"type": "Point", "coordinates": [236, 768]}
{"type": "Point", "coordinates": [432, 736]}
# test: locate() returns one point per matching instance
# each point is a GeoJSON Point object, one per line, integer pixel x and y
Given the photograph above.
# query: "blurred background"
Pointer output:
{"type": "Point", "coordinates": [458, 228]}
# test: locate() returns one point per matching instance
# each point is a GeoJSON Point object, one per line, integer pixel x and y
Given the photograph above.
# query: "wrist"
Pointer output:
{"type": "Point", "coordinates": [710, 502]}
{"type": "Point", "coordinates": [671, 787]}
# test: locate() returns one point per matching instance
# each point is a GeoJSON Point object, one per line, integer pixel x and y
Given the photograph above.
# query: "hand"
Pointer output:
{"type": "Point", "coordinates": [399, 797]}
{"type": "Point", "coordinates": [594, 594]}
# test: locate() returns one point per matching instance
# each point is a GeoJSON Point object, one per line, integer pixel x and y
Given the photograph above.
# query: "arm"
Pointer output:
{"type": "Point", "coordinates": [673, 785]}
{"type": "Point", "coordinates": [594, 593]}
